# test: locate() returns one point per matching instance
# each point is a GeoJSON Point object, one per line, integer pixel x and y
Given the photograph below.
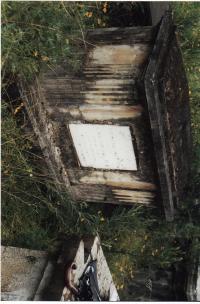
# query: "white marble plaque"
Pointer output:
{"type": "Point", "coordinates": [104, 146]}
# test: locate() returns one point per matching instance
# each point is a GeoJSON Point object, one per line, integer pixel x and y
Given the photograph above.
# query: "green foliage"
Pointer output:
{"type": "Point", "coordinates": [138, 240]}
{"type": "Point", "coordinates": [26, 211]}
{"type": "Point", "coordinates": [41, 34]}
{"type": "Point", "coordinates": [37, 35]}
{"type": "Point", "coordinates": [34, 214]}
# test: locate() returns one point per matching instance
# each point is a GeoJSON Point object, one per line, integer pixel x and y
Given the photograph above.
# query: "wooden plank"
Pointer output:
{"type": "Point", "coordinates": [120, 54]}
{"type": "Point", "coordinates": [141, 197]}
{"type": "Point", "coordinates": [113, 179]}
{"type": "Point", "coordinates": [110, 93]}
{"type": "Point", "coordinates": [158, 10]}
{"type": "Point", "coordinates": [177, 120]}
{"type": "Point", "coordinates": [99, 112]}
{"type": "Point", "coordinates": [128, 35]}
{"type": "Point", "coordinates": [46, 132]}
{"type": "Point", "coordinates": [107, 195]}
{"type": "Point", "coordinates": [167, 98]}
{"type": "Point", "coordinates": [154, 104]}
{"type": "Point", "coordinates": [89, 193]}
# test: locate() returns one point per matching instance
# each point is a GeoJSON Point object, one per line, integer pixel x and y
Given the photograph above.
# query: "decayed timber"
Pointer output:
{"type": "Point", "coordinates": [122, 54]}
{"type": "Point", "coordinates": [140, 197]}
{"type": "Point", "coordinates": [128, 35]}
{"type": "Point", "coordinates": [107, 90]}
{"type": "Point", "coordinates": [114, 179]}
{"type": "Point", "coordinates": [167, 97]}
{"type": "Point", "coordinates": [131, 77]}
{"type": "Point", "coordinates": [108, 195]}
{"type": "Point", "coordinates": [46, 132]}
{"type": "Point", "coordinates": [98, 112]}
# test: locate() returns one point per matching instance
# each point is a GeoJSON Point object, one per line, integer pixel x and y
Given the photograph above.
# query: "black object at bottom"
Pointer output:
{"type": "Point", "coordinates": [88, 285]}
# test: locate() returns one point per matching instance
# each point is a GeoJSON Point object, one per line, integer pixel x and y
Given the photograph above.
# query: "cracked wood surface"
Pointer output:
{"type": "Point", "coordinates": [116, 87]}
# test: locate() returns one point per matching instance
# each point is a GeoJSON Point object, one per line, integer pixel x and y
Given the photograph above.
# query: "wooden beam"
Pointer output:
{"type": "Point", "coordinates": [156, 111]}
{"type": "Point", "coordinates": [141, 197]}
{"type": "Point", "coordinates": [99, 112]}
{"type": "Point", "coordinates": [113, 179]}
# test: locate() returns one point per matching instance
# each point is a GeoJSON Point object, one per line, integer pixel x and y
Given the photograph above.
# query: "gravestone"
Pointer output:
{"type": "Point", "coordinates": [119, 132]}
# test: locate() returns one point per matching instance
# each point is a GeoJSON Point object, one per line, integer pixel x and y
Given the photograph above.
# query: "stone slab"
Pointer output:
{"type": "Point", "coordinates": [21, 272]}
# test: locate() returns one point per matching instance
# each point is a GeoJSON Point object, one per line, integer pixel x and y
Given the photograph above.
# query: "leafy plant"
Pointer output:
{"type": "Point", "coordinates": [36, 36]}
{"type": "Point", "coordinates": [39, 35]}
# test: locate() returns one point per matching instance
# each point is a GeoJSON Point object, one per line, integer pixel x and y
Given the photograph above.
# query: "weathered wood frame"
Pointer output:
{"type": "Point", "coordinates": [165, 151]}
{"type": "Point", "coordinates": [169, 115]}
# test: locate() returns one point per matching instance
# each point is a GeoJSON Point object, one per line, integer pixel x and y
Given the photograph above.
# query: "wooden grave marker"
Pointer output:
{"type": "Point", "coordinates": [119, 132]}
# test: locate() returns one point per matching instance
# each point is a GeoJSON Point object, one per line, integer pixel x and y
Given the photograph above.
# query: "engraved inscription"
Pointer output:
{"type": "Point", "coordinates": [104, 146]}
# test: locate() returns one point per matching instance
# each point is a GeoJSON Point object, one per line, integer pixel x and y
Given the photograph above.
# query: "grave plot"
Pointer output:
{"type": "Point", "coordinates": [119, 132]}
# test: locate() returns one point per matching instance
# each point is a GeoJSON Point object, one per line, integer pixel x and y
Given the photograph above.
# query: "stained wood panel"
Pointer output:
{"type": "Point", "coordinates": [167, 97]}
{"type": "Point", "coordinates": [115, 179]}
{"type": "Point", "coordinates": [106, 93]}
{"type": "Point", "coordinates": [131, 77]}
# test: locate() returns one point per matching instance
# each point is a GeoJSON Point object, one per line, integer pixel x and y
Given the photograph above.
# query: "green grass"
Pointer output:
{"type": "Point", "coordinates": [36, 36]}
{"type": "Point", "coordinates": [34, 214]}
{"type": "Point", "coordinates": [187, 17]}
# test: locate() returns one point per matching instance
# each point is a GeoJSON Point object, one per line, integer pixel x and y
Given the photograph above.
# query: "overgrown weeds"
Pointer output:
{"type": "Point", "coordinates": [38, 35]}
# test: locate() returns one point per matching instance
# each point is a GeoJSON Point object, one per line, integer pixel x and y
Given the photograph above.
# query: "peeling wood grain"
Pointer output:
{"type": "Point", "coordinates": [121, 54]}
{"type": "Point", "coordinates": [114, 86]}
{"type": "Point", "coordinates": [105, 90]}
{"type": "Point", "coordinates": [89, 193]}
{"type": "Point", "coordinates": [122, 180]}
{"type": "Point", "coordinates": [46, 132]}
{"type": "Point", "coordinates": [140, 197]}
{"type": "Point", "coordinates": [100, 113]}
{"type": "Point", "coordinates": [168, 105]}
{"type": "Point", "coordinates": [101, 193]}
{"type": "Point", "coordinates": [118, 35]}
